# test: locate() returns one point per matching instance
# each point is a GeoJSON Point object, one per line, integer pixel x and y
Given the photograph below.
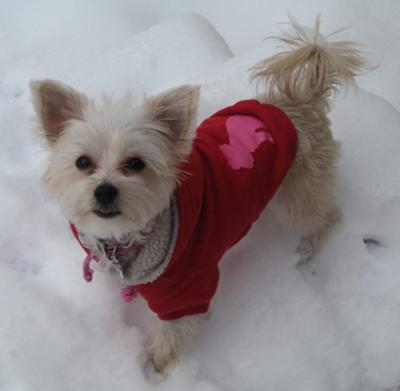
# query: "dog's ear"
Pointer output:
{"type": "Point", "coordinates": [56, 104]}
{"type": "Point", "coordinates": [176, 108]}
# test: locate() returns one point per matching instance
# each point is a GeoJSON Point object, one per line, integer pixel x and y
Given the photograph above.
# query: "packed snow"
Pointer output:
{"type": "Point", "coordinates": [332, 325]}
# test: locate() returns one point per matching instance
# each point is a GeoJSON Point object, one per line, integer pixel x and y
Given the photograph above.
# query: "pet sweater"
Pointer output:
{"type": "Point", "coordinates": [239, 158]}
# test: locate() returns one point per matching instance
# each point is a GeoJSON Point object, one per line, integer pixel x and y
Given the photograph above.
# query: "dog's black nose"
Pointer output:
{"type": "Point", "coordinates": [105, 194]}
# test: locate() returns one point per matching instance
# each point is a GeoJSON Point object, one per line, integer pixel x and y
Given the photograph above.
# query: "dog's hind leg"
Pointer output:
{"type": "Point", "coordinates": [311, 241]}
{"type": "Point", "coordinates": [307, 194]}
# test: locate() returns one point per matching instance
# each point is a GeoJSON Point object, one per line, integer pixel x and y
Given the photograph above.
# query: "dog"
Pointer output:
{"type": "Point", "coordinates": [159, 202]}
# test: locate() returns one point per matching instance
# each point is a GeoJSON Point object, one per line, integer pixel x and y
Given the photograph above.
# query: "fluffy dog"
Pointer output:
{"type": "Point", "coordinates": [159, 203]}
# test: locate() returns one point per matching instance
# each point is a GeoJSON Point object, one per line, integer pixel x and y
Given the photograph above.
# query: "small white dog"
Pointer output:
{"type": "Point", "coordinates": [159, 203]}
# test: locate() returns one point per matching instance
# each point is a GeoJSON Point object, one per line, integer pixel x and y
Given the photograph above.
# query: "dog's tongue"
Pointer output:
{"type": "Point", "coordinates": [105, 210]}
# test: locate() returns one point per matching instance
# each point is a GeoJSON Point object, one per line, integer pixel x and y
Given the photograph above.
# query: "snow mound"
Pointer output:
{"type": "Point", "coordinates": [168, 54]}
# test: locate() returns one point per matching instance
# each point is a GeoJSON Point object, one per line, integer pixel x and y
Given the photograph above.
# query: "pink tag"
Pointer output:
{"type": "Point", "coordinates": [129, 293]}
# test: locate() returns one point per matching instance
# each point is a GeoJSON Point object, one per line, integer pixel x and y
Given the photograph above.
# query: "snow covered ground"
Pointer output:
{"type": "Point", "coordinates": [332, 326]}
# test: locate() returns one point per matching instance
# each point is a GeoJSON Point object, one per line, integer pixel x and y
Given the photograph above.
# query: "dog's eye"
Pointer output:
{"type": "Point", "coordinates": [135, 164]}
{"type": "Point", "coordinates": [83, 162]}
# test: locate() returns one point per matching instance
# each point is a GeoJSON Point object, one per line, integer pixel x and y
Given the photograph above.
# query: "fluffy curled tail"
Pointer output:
{"type": "Point", "coordinates": [312, 69]}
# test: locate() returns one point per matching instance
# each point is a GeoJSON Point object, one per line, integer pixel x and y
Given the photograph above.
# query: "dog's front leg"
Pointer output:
{"type": "Point", "coordinates": [169, 340]}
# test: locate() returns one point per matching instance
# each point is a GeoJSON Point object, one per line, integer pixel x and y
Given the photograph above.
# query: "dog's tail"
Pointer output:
{"type": "Point", "coordinates": [312, 69]}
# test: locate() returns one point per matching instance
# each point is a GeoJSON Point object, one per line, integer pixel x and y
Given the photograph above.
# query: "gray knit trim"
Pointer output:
{"type": "Point", "coordinates": [153, 257]}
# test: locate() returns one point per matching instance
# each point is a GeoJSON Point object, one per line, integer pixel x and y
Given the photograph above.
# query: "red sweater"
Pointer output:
{"type": "Point", "coordinates": [239, 158]}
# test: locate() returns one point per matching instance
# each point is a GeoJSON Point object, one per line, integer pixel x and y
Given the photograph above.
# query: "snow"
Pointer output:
{"type": "Point", "coordinates": [332, 325]}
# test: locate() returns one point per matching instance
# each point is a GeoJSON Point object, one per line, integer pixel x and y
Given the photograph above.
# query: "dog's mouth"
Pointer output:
{"type": "Point", "coordinates": [106, 213]}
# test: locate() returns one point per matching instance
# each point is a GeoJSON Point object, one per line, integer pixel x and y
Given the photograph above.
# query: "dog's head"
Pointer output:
{"type": "Point", "coordinates": [113, 167]}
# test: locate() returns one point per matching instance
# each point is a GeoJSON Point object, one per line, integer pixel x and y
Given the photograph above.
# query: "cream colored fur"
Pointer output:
{"type": "Point", "coordinates": [299, 81]}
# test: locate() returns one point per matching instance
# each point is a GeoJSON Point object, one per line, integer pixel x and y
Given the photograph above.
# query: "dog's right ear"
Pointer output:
{"type": "Point", "coordinates": [56, 104]}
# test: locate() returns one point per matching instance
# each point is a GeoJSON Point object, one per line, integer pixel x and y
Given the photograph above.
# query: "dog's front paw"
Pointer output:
{"type": "Point", "coordinates": [161, 362]}
{"type": "Point", "coordinates": [168, 341]}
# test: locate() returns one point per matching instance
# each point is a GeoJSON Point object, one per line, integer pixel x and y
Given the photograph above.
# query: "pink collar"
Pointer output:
{"type": "Point", "coordinates": [129, 292]}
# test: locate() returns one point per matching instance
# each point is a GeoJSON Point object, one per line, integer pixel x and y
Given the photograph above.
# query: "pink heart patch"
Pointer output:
{"type": "Point", "coordinates": [246, 133]}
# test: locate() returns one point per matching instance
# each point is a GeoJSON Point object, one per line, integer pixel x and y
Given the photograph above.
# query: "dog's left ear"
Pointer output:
{"type": "Point", "coordinates": [176, 108]}
{"type": "Point", "coordinates": [56, 104]}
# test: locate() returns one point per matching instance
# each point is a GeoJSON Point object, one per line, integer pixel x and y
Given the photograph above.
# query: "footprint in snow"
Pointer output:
{"type": "Point", "coordinates": [373, 245]}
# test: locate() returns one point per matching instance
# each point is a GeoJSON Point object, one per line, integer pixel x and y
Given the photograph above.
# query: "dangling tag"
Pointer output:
{"type": "Point", "coordinates": [129, 293]}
